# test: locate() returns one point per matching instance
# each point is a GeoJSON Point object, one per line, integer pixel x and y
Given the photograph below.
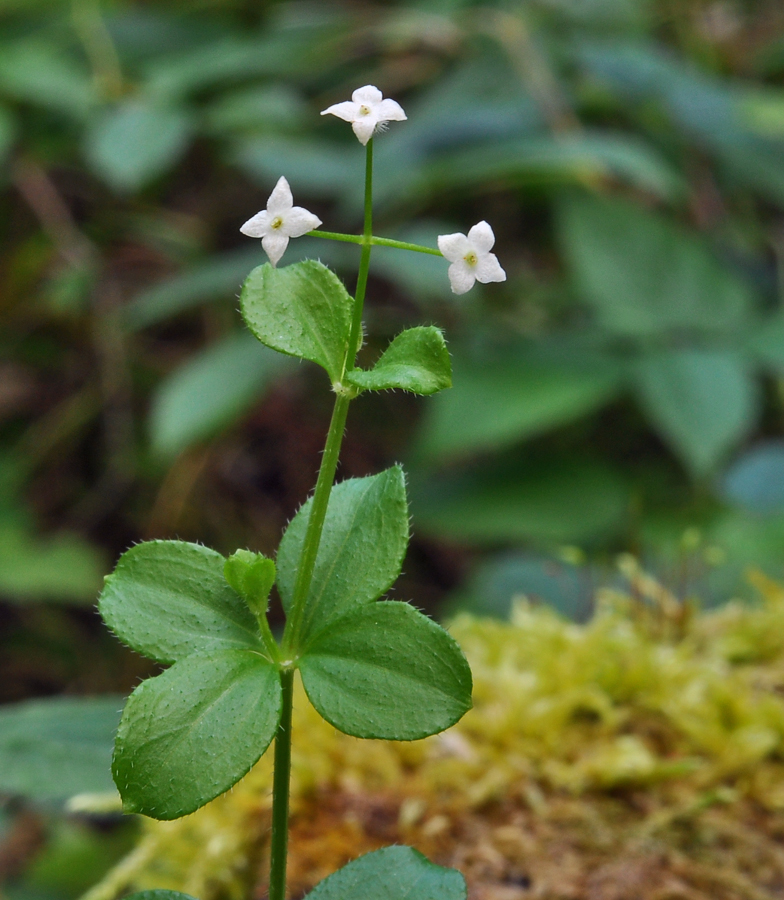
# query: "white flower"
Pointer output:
{"type": "Point", "coordinates": [471, 258]}
{"type": "Point", "coordinates": [367, 111]}
{"type": "Point", "coordinates": [280, 221]}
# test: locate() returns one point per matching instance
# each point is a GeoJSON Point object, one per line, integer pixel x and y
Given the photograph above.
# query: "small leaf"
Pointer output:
{"type": "Point", "coordinates": [210, 392]}
{"type": "Point", "coordinates": [158, 895]}
{"type": "Point", "coordinates": [189, 734]}
{"type": "Point", "coordinates": [387, 671]}
{"type": "Point", "coordinates": [755, 482]}
{"type": "Point", "coordinates": [550, 501]}
{"type": "Point", "coordinates": [56, 748]}
{"type": "Point", "coordinates": [252, 576]}
{"type": "Point", "coordinates": [362, 548]}
{"type": "Point", "coordinates": [702, 402]}
{"type": "Point", "coordinates": [134, 142]}
{"type": "Point", "coordinates": [511, 398]}
{"type": "Point", "coordinates": [645, 275]}
{"type": "Point", "coordinates": [302, 310]}
{"type": "Point", "coordinates": [417, 360]}
{"type": "Point", "coordinates": [62, 567]}
{"type": "Point", "coordinates": [168, 599]}
{"type": "Point", "coordinates": [392, 873]}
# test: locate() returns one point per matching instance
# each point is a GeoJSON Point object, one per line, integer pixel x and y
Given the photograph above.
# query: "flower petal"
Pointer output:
{"type": "Point", "coordinates": [482, 237]}
{"type": "Point", "coordinates": [364, 128]}
{"type": "Point", "coordinates": [390, 111]}
{"type": "Point", "coordinates": [489, 269]}
{"type": "Point", "coordinates": [275, 245]}
{"type": "Point", "coordinates": [281, 199]}
{"type": "Point", "coordinates": [257, 225]}
{"type": "Point", "coordinates": [367, 94]}
{"type": "Point", "coordinates": [453, 246]}
{"type": "Point", "coordinates": [346, 110]}
{"type": "Point", "coordinates": [461, 277]}
{"type": "Point", "coordinates": [299, 221]}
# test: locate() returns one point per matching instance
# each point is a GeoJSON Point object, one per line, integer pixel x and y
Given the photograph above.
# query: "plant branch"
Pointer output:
{"type": "Point", "coordinates": [280, 792]}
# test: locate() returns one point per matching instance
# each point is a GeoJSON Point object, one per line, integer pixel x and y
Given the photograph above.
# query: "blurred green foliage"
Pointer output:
{"type": "Point", "coordinates": [622, 391]}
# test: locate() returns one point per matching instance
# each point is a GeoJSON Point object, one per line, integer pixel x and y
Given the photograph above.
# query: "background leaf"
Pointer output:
{"type": "Point", "coordinates": [302, 310]}
{"type": "Point", "coordinates": [63, 567]}
{"type": "Point", "coordinates": [362, 548]}
{"type": "Point", "coordinates": [55, 748]}
{"type": "Point", "coordinates": [390, 874]}
{"type": "Point", "coordinates": [498, 401]}
{"type": "Point", "coordinates": [417, 360]}
{"type": "Point", "coordinates": [546, 501]}
{"type": "Point", "coordinates": [188, 735]}
{"type": "Point", "coordinates": [643, 274]}
{"type": "Point", "coordinates": [386, 671]}
{"type": "Point", "coordinates": [168, 599]}
{"type": "Point", "coordinates": [702, 402]}
{"type": "Point", "coordinates": [131, 144]}
{"type": "Point", "coordinates": [755, 481]}
{"type": "Point", "coordinates": [211, 391]}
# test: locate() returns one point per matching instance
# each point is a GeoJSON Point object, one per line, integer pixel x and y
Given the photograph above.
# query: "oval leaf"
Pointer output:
{"type": "Point", "coordinates": [159, 895]}
{"type": "Point", "coordinates": [134, 142]}
{"type": "Point", "coordinates": [58, 747]}
{"type": "Point", "coordinates": [210, 392]}
{"type": "Point", "coordinates": [189, 734]}
{"type": "Point", "coordinates": [386, 671]}
{"type": "Point", "coordinates": [168, 599]}
{"type": "Point", "coordinates": [361, 552]}
{"type": "Point", "coordinates": [302, 310]}
{"type": "Point", "coordinates": [391, 873]}
{"type": "Point", "coordinates": [702, 402]}
{"type": "Point", "coordinates": [417, 360]}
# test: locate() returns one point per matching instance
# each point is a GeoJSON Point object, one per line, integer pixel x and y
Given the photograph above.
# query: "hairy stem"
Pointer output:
{"type": "Point", "coordinates": [280, 792]}
{"type": "Point", "coordinates": [307, 562]}
{"type": "Point", "coordinates": [364, 263]}
{"type": "Point", "coordinates": [318, 512]}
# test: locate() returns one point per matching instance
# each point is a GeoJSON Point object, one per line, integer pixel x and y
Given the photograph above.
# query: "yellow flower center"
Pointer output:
{"type": "Point", "coordinates": [470, 258]}
{"type": "Point", "coordinates": [364, 110]}
{"type": "Point", "coordinates": [276, 222]}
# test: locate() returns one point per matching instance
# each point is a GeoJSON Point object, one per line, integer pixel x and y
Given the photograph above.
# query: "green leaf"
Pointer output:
{"type": "Point", "coordinates": [189, 734]}
{"type": "Point", "coordinates": [219, 277]}
{"type": "Point", "coordinates": [417, 360]}
{"type": "Point", "coordinates": [552, 501]}
{"type": "Point", "coordinates": [159, 895]}
{"type": "Point", "coordinates": [564, 159]}
{"type": "Point", "coordinates": [302, 310]}
{"type": "Point", "coordinates": [387, 671]}
{"type": "Point", "coordinates": [36, 71]}
{"type": "Point", "coordinates": [361, 552]}
{"type": "Point", "coordinates": [251, 575]}
{"type": "Point", "coordinates": [134, 142]}
{"type": "Point", "coordinates": [62, 567]}
{"type": "Point", "coordinates": [644, 275]}
{"type": "Point", "coordinates": [702, 402]}
{"type": "Point", "coordinates": [55, 748]}
{"type": "Point", "coordinates": [210, 392]}
{"type": "Point", "coordinates": [168, 599]}
{"type": "Point", "coordinates": [8, 131]}
{"type": "Point", "coordinates": [392, 873]}
{"type": "Point", "coordinates": [498, 402]}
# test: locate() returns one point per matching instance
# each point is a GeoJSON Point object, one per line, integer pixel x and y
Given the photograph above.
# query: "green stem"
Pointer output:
{"type": "Point", "coordinates": [337, 236]}
{"type": "Point", "coordinates": [318, 512]}
{"type": "Point", "coordinates": [355, 336]}
{"type": "Point", "coordinates": [279, 842]}
{"type": "Point", "coordinates": [375, 241]}
{"type": "Point", "coordinates": [404, 245]}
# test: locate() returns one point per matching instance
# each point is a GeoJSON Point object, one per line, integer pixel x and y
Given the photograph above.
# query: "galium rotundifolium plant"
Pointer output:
{"type": "Point", "coordinates": [372, 669]}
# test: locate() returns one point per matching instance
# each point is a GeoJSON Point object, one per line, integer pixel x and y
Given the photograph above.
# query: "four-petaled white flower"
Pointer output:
{"type": "Point", "coordinates": [471, 258]}
{"type": "Point", "coordinates": [280, 221]}
{"type": "Point", "coordinates": [367, 111]}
